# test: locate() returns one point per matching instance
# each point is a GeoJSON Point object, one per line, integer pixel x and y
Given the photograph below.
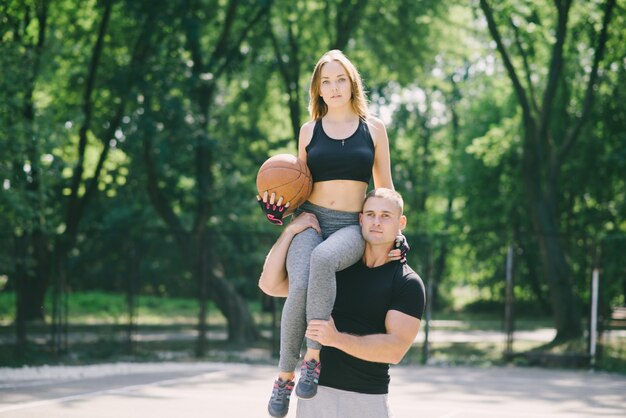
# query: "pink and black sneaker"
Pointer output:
{"type": "Point", "coordinates": [309, 378]}
{"type": "Point", "coordinates": [279, 401]}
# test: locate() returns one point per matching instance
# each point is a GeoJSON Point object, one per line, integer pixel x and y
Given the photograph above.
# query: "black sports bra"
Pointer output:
{"type": "Point", "coordinates": [351, 158]}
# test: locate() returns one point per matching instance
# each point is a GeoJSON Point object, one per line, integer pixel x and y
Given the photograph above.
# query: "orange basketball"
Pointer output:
{"type": "Point", "coordinates": [287, 176]}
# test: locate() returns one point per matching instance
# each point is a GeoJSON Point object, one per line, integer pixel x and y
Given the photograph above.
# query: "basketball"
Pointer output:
{"type": "Point", "coordinates": [287, 176]}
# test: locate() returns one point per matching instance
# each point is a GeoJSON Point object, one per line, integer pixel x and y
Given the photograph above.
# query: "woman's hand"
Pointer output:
{"type": "Point", "coordinates": [274, 210]}
{"type": "Point", "coordinates": [401, 247]}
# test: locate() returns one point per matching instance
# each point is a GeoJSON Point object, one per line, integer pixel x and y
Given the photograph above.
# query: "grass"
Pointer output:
{"type": "Point", "coordinates": [613, 355]}
{"type": "Point", "coordinates": [98, 308]}
{"type": "Point", "coordinates": [103, 316]}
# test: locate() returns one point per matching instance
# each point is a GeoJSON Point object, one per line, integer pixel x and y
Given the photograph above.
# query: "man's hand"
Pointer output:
{"type": "Point", "coordinates": [324, 332]}
{"type": "Point", "coordinates": [273, 280]}
{"type": "Point", "coordinates": [303, 221]}
{"type": "Point", "coordinates": [388, 347]}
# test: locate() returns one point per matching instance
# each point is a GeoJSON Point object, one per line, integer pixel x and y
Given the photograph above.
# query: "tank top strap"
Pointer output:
{"type": "Point", "coordinates": [363, 126]}
{"type": "Point", "coordinates": [317, 130]}
{"type": "Point", "coordinates": [367, 135]}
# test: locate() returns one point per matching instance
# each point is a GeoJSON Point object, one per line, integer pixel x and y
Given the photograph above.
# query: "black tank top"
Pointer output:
{"type": "Point", "coordinates": [351, 158]}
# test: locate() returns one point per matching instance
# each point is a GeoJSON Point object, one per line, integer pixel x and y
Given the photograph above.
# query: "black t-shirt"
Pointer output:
{"type": "Point", "coordinates": [364, 296]}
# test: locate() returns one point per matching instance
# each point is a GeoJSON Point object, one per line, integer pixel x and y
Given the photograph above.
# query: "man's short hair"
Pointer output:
{"type": "Point", "coordinates": [387, 194]}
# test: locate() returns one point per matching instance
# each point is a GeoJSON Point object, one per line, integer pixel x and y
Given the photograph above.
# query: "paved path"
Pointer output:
{"type": "Point", "coordinates": [192, 390]}
{"type": "Point", "coordinates": [143, 335]}
{"type": "Point", "coordinates": [442, 331]}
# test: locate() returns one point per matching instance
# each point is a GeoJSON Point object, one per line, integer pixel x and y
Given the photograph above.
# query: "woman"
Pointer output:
{"type": "Point", "coordinates": [344, 148]}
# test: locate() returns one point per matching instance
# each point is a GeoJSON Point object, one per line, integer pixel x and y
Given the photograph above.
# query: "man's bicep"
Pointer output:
{"type": "Point", "coordinates": [402, 326]}
{"type": "Point", "coordinates": [282, 290]}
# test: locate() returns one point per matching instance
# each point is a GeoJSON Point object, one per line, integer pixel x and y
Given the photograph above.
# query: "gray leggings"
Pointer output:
{"type": "Point", "coordinates": [312, 262]}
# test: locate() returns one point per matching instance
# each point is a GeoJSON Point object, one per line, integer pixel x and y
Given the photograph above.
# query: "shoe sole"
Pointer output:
{"type": "Point", "coordinates": [276, 415]}
{"type": "Point", "coordinates": [305, 395]}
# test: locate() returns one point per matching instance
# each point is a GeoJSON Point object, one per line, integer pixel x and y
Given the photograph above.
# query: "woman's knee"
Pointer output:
{"type": "Point", "coordinates": [297, 290]}
{"type": "Point", "coordinates": [324, 255]}
{"type": "Point", "coordinates": [302, 245]}
{"type": "Point", "coordinates": [346, 244]}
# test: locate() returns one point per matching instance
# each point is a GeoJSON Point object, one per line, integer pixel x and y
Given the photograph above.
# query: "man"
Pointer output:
{"type": "Point", "coordinates": [375, 319]}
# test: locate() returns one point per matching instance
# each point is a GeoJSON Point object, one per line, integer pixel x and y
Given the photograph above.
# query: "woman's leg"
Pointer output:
{"type": "Point", "coordinates": [339, 251]}
{"type": "Point", "coordinates": [293, 320]}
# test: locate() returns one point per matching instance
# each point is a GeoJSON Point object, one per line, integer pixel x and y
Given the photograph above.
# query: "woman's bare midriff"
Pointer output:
{"type": "Point", "coordinates": [342, 195]}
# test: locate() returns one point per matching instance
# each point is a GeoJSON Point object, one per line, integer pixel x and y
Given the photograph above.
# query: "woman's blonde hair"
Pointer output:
{"type": "Point", "coordinates": [317, 106]}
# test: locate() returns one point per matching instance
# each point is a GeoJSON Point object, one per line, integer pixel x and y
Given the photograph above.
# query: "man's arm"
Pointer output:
{"type": "Point", "coordinates": [273, 280]}
{"type": "Point", "coordinates": [381, 348]}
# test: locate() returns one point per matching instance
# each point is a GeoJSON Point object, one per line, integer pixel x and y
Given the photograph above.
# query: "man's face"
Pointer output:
{"type": "Point", "coordinates": [381, 221]}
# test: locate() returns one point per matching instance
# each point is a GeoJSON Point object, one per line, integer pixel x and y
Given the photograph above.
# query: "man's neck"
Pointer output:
{"type": "Point", "coordinates": [376, 255]}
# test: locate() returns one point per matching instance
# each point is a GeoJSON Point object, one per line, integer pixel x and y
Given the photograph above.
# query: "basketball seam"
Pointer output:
{"type": "Point", "coordinates": [294, 180]}
{"type": "Point", "coordinates": [302, 170]}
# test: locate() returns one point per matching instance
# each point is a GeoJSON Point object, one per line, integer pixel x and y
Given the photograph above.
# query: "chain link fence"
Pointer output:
{"type": "Point", "coordinates": [151, 264]}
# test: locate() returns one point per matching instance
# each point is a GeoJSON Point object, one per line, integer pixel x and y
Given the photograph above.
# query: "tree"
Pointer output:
{"type": "Point", "coordinates": [213, 45]}
{"type": "Point", "coordinates": [296, 37]}
{"type": "Point", "coordinates": [549, 136]}
{"type": "Point", "coordinates": [56, 201]}
{"type": "Point", "coordinates": [23, 39]}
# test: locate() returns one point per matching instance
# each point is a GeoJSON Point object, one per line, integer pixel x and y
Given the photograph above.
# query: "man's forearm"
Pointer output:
{"type": "Point", "coordinates": [400, 332]}
{"type": "Point", "coordinates": [380, 348]}
{"type": "Point", "coordinates": [273, 280]}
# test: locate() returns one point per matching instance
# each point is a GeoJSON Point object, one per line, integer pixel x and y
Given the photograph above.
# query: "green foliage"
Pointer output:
{"type": "Point", "coordinates": [97, 307]}
{"type": "Point", "coordinates": [7, 307]}
{"type": "Point", "coordinates": [453, 120]}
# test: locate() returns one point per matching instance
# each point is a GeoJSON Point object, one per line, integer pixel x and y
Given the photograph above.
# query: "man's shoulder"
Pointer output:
{"type": "Point", "coordinates": [351, 269]}
{"type": "Point", "coordinates": [407, 272]}
{"type": "Point", "coordinates": [396, 269]}
{"type": "Point", "coordinates": [407, 277]}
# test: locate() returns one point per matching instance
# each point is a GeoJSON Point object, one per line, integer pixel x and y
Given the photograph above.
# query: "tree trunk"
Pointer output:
{"type": "Point", "coordinates": [348, 16]}
{"type": "Point", "coordinates": [555, 268]}
{"type": "Point", "coordinates": [212, 285]}
{"type": "Point", "coordinates": [203, 293]}
{"type": "Point", "coordinates": [559, 276]}
{"type": "Point", "coordinates": [32, 282]}
{"type": "Point", "coordinates": [241, 326]}
{"type": "Point", "coordinates": [224, 54]}
{"type": "Point", "coordinates": [290, 72]}
{"type": "Point", "coordinates": [440, 262]}
{"type": "Point", "coordinates": [20, 273]}
{"type": "Point", "coordinates": [533, 263]}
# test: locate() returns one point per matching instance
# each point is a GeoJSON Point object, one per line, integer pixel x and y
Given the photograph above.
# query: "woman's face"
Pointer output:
{"type": "Point", "coordinates": [335, 85]}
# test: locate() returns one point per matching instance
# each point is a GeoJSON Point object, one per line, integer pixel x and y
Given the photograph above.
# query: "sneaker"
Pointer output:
{"type": "Point", "coordinates": [309, 377]}
{"type": "Point", "coordinates": [279, 402]}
